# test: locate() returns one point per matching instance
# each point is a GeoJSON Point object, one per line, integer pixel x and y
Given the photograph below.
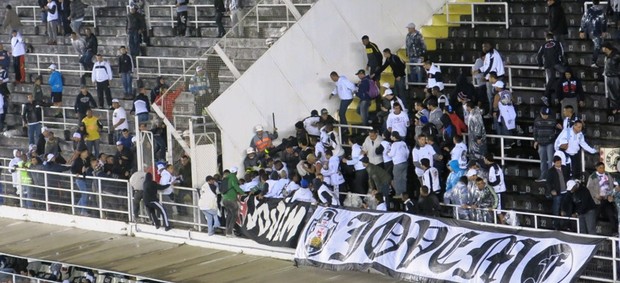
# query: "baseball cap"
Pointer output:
{"type": "Point", "coordinates": [250, 150]}
{"type": "Point", "coordinates": [386, 85]}
{"type": "Point", "coordinates": [116, 100]}
{"type": "Point", "coordinates": [361, 71]}
{"type": "Point", "coordinates": [233, 169]}
{"type": "Point", "coordinates": [77, 135]}
{"type": "Point", "coordinates": [52, 67]}
{"type": "Point", "coordinates": [570, 184]}
{"type": "Point", "coordinates": [410, 25]}
{"type": "Point", "coordinates": [199, 68]}
{"type": "Point", "coordinates": [44, 129]}
{"type": "Point", "coordinates": [50, 157]}
{"type": "Point", "coordinates": [160, 167]}
{"type": "Point", "coordinates": [471, 172]}
{"type": "Point", "coordinates": [324, 111]}
{"type": "Point", "coordinates": [258, 128]}
{"type": "Point", "coordinates": [423, 120]}
{"type": "Point", "coordinates": [545, 110]}
{"type": "Point", "coordinates": [499, 84]}
{"type": "Point", "coordinates": [388, 92]}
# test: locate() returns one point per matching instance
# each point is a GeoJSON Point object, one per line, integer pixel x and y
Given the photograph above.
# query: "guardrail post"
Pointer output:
{"type": "Point", "coordinates": [130, 207]}
{"type": "Point", "coordinates": [614, 250]}
{"type": "Point", "coordinates": [100, 198]}
{"type": "Point", "coordinates": [72, 180]}
{"type": "Point", "coordinates": [506, 15]}
{"type": "Point", "coordinates": [290, 7]}
{"type": "Point", "coordinates": [473, 15]}
{"type": "Point", "coordinates": [47, 199]}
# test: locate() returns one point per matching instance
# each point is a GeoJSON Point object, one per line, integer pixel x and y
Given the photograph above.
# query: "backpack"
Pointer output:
{"type": "Point", "coordinates": [373, 90]}
{"type": "Point", "coordinates": [224, 186]}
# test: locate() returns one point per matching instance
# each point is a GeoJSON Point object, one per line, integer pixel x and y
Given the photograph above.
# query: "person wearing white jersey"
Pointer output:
{"type": "Point", "coordinates": [360, 183]}
{"type": "Point", "coordinates": [504, 115]}
{"type": "Point", "coordinates": [344, 89]}
{"type": "Point", "coordinates": [434, 76]}
{"type": "Point", "coordinates": [399, 152]}
{"type": "Point", "coordinates": [430, 177]}
{"type": "Point", "coordinates": [168, 179]}
{"type": "Point", "coordinates": [398, 121]}
{"type": "Point", "coordinates": [311, 124]}
{"type": "Point", "coordinates": [326, 195]}
{"type": "Point", "coordinates": [492, 63]}
{"type": "Point", "coordinates": [421, 151]}
{"type": "Point", "coordinates": [459, 151]}
{"type": "Point", "coordinates": [18, 51]}
{"type": "Point", "coordinates": [52, 21]}
{"type": "Point", "coordinates": [496, 180]}
{"type": "Point", "coordinates": [384, 148]}
{"type": "Point", "coordinates": [304, 193]}
{"type": "Point", "coordinates": [571, 141]}
{"type": "Point", "coordinates": [119, 119]}
{"type": "Point", "coordinates": [102, 76]}
{"type": "Point", "coordinates": [331, 172]}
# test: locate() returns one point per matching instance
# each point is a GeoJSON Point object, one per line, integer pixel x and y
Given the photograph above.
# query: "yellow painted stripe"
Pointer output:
{"type": "Point", "coordinates": [434, 32]}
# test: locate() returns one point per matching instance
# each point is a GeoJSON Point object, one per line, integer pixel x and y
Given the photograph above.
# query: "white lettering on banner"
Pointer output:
{"type": "Point", "coordinates": [279, 223]}
{"type": "Point", "coordinates": [410, 247]}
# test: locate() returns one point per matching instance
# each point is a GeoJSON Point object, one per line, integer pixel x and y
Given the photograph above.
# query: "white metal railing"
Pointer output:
{"type": "Point", "coordinates": [66, 125]}
{"type": "Point", "coordinates": [473, 21]}
{"type": "Point", "coordinates": [36, 15]}
{"type": "Point", "coordinates": [508, 74]}
{"type": "Point", "coordinates": [187, 64]}
{"type": "Point", "coordinates": [13, 278]}
{"type": "Point", "coordinates": [173, 12]}
{"type": "Point", "coordinates": [288, 22]}
{"type": "Point", "coordinates": [57, 60]}
{"type": "Point", "coordinates": [589, 3]}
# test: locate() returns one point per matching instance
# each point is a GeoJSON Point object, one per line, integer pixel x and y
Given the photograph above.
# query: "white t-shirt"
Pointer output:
{"type": "Point", "coordinates": [398, 122]}
{"type": "Point", "coordinates": [119, 114]}
{"type": "Point", "coordinates": [419, 153]}
{"type": "Point", "coordinates": [166, 179]}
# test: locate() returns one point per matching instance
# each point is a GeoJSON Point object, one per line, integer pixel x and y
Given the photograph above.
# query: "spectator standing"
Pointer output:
{"type": "Point", "coordinates": [236, 14]}
{"type": "Point", "coordinates": [37, 91]}
{"type": "Point", "coordinates": [136, 181]}
{"type": "Point", "coordinates": [378, 179]}
{"type": "Point", "coordinates": [434, 76]}
{"type": "Point", "coordinates": [182, 17]}
{"type": "Point", "coordinates": [594, 26]}
{"type": "Point", "coordinates": [229, 188]}
{"type": "Point", "coordinates": [544, 137]}
{"type": "Point", "coordinates": [11, 19]}
{"type": "Point", "coordinates": [125, 69]}
{"type": "Point", "coordinates": [398, 70]}
{"type": "Point", "coordinates": [83, 102]}
{"type": "Point", "coordinates": [504, 114]}
{"type": "Point", "coordinates": [220, 9]}
{"type": "Point", "coordinates": [151, 201]}
{"type": "Point", "coordinates": [77, 15]}
{"type": "Point", "coordinates": [2, 111]}
{"type": "Point", "coordinates": [551, 57]}
{"type": "Point", "coordinates": [612, 73]}
{"type": "Point", "coordinates": [92, 44]}
{"type": "Point", "coordinates": [363, 93]}
{"type": "Point", "coordinates": [422, 150]}
{"type": "Point", "coordinates": [428, 204]}
{"type": "Point", "coordinates": [53, 16]}
{"type": "Point", "coordinates": [79, 45]}
{"type": "Point", "coordinates": [102, 76]}
{"type": "Point", "coordinates": [360, 184]}
{"type": "Point", "coordinates": [31, 116]}
{"type": "Point", "coordinates": [43, 5]}
{"type": "Point", "coordinates": [615, 199]}
{"type": "Point", "coordinates": [570, 91]}
{"type": "Point", "coordinates": [580, 204]}
{"type": "Point", "coordinates": [476, 131]}
{"type": "Point", "coordinates": [18, 50]}
{"type": "Point", "coordinates": [416, 51]}
{"type": "Point", "coordinates": [208, 204]}
{"type": "Point", "coordinates": [344, 89]}
{"type": "Point", "coordinates": [56, 84]}
{"type": "Point", "coordinates": [399, 152]}
{"type": "Point", "coordinates": [370, 148]}
{"type": "Point", "coordinates": [80, 169]}
{"type": "Point", "coordinates": [496, 180]}
{"type": "Point", "coordinates": [601, 186]}
{"type": "Point", "coordinates": [557, 177]}
{"type": "Point", "coordinates": [133, 28]}
{"type": "Point", "coordinates": [569, 117]}
{"type": "Point", "coordinates": [168, 179]}
{"type": "Point", "coordinates": [263, 140]}
{"type": "Point", "coordinates": [141, 105]}
{"type": "Point", "coordinates": [5, 58]}
{"type": "Point", "coordinates": [119, 119]}
{"type": "Point", "coordinates": [492, 63]}
{"type": "Point", "coordinates": [485, 202]}
{"type": "Point", "coordinates": [375, 58]}
{"type": "Point", "coordinates": [199, 86]}
{"type": "Point", "coordinates": [397, 121]}
{"type": "Point", "coordinates": [430, 177]}
{"type": "Point", "coordinates": [571, 141]}
{"type": "Point", "coordinates": [557, 20]}
{"type": "Point", "coordinates": [64, 12]}
{"type": "Point", "coordinates": [92, 126]}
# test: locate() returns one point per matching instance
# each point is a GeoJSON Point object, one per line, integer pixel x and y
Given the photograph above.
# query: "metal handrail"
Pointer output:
{"type": "Point", "coordinates": [473, 21]}
{"type": "Point", "coordinates": [39, 68]}
{"type": "Point", "coordinates": [288, 20]}
{"type": "Point", "coordinates": [186, 63]}
{"type": "Point", "coordinates": [172, 19]}
{"type": "Point", "coordinates": [36, 22]}
{"type": "Point", "coordinates": [67, 125]}
{"type": "Point", "coordinates": [589, 3]}
{"type": "Point", "coordinates": [508, 69]}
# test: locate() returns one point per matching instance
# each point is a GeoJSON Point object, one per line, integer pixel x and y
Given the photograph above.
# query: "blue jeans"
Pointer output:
{"type": "Point", "coordinates": [546, 157]}
{"type": "Point", "coordinates": [212, 220]}
{"type": "Point", "coordinates": [143, 117]}
{"type": "Point", "coordinates": [93, 147]}
{"type": "Point", "coordinates": [76, 24]}
{"type": "Point", "coordinates": [501, 129]}
{"type": "Point", "coordinates": [34, 130]}
{"type": "Point", "coordinates": [126, 78]}
{"type": "Point", "coordinates": [415, 74]}
{"type": "Point", "coordinates": [87, 61]}
{"type": "Point", "coordinates": [399, 90]}
{"type": "Point", "coordinates": [342, 111]}
{"type": "Point", "coordinates": [26, 197]}
{"type": "Point", "coordinates": [596, 49]}
{"type": "Point", "coordinates": [362, 109]}
{"type": "Point", "coordinates": [558, 224]}
{"type": "Point", "coordinates": [134, 43]}
{"type": "Point", "coordinates": [84, 186]}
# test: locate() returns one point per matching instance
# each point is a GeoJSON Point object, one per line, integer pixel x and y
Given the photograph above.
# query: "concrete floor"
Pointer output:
{"type": "Point", "coordinates": [157, 259]}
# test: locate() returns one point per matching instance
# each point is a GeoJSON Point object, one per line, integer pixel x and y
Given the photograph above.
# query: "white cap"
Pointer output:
{"type": "Point", "coordinates": [471, 172]}
{"type": "Point", "coordinates": [411, 25]}
{"type": "Point", "coordinates": [233, 169]}
{"type": "Point", "coordinates": [388, 92]}
{"type": "Point", "coordinates": [258, 128]}
{"type": "Point", "coordinates": [250, 150]}
{"type": "Point", "coordinates": [44, 129]}
{"type": "Point", "coordinates": [50, 157]}
{"type": "Point", "coordinates": [199, 68]}
{"type": "Point", "coordinates": [77, 135]}
{"type": "Point", "coordinates": [570, 184]}
{"type": "Point", "coordinates": [116, 100]}
{"type": "Point", "coordinates": [499, 84]}
{"type": "Point", "coordinates": [119, 143]}
{"type": "Point", "coordinates": [386, 85]}
{"type": "Point", "coordinates": [161, 167]}
{"type": "Point", "coordinates": [134, 140]}
{"type": "Point", "coordinates": [52, 66]}
{"type": "Point", "coordinates": [615, 183]}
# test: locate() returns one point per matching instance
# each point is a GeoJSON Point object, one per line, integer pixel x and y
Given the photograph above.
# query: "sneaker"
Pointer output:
{"type": "Point", "coordinates": [540, 180]}
{"type": "Point", "coordinates": [594, 65]}
{"type": "Point", "coordinates": [168, 228]}
{"type": "Point", "coordinates": [545, 100]}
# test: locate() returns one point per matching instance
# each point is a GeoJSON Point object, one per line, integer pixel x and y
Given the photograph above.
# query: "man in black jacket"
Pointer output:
{"type": "Point", "coordinates": [612, 72]}
{"type": "Point", "coordinates": [428, 204]}
{"type": "Point", "coordinates": [31, 116]}
{"type": "Point", "coordinates": [64, 7]}
{"type": "Point", "coordinates": [220, 9]}
{"type": "Point", "coordinates": [125, 69]}
{"type": "Point", "coordinates": [544, 138]}
{"type": "Point", "coordinates": [398, 69]}
{"type": "Point", "coordinates": [91, 49]}
{"type": "Point", "coordinates": [374, 57]}
{"type": "Point", "coordinates": [557, 20]}
{"type": "Point", "coordinates": [134, 27]}
{"type": "Point", "coordinates": [579, 203]}
{"type": "Point", "coordinates": [151, 202]}
{"type": "Point", "coordinates": [551, 57]}
{"type": "Point", "coordinates": [83, 102]}
{"type": "Point", "coordinates": [557, 177]}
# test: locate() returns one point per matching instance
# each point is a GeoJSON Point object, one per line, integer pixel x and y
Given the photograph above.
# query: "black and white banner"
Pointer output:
{"type": "Point", "coordinates": [274, 222]}
{"type": "Point", "coordinates": [421, 249]}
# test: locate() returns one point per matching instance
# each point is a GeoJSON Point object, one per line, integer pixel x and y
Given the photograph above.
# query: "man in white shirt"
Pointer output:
{"type": "Point", "coordinates": [571, 141]}
{"type": "Point", "coordinates": [168, 179]}
{"type": "Point", "coordinates": [311, 124]}
{"type": "Point", "coordinates": [119, 119]}
{"type": "Point", "coordinates": [344, 89]}
{"type": "Point", "coordinates": [430, 178]}
{"type": "Point", "coordinates": [459, 152]}
{"type": "Point", "coordinates": [398, 121]}
{"type": "Point", "coordinates": [492, 63]}
{"type": "Point", "coordinates": [433, 73]}
{"type": "Point", "coordinates": [421, 151]}
{"type": "Point", "coordinates": [18, 51]}
{"type": "Point", "coordinates": [102, 76]}
{"type": "Point", "coordinates": [304, 193]}
{"type": "Point", "coordinates": [496, 181]}
{"type": "Point", "coordinates": [360, 183]}
{"type": "Point", "coordinates": [370, 145]}
{"type": "Point", "coordinates": [331, 172]}
{"type": "Point", "coordinates": [399, 153]}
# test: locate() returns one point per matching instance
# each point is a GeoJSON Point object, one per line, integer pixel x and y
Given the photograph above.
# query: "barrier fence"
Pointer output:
{"type": "Point", "coordinates": [473, 22]}
{"type": "Point", "coordinates": [36, 15]}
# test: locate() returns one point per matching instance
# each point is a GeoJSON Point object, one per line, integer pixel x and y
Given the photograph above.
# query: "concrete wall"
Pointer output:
{"type": "Point", "coordinates": [292, 77]}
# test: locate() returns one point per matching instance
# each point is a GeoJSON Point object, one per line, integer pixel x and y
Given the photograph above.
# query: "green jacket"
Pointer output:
{"type": "Point", "coordinates": [233, 188]}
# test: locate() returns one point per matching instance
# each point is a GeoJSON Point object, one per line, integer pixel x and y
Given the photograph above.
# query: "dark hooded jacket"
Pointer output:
{"type": "Point", "coordinates": [151, 188]}
{"type": "Point", "coordinates": [156, 91]}
{"type": "Point", "coordinates": [569, 88]}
